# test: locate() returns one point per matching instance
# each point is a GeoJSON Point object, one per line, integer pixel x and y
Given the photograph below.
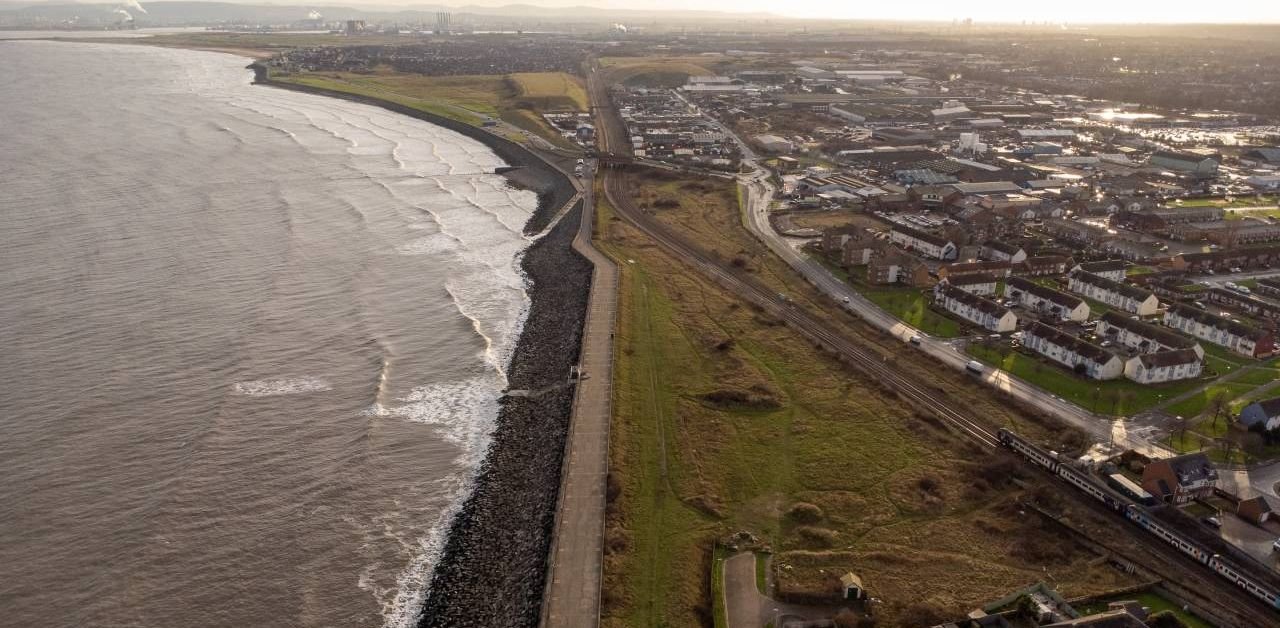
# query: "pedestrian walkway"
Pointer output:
{"type": "Point", "coordinates": [574, 571]}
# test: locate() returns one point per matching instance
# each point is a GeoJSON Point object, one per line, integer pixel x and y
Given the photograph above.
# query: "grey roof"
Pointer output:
{"type": "Point", "coordinates": [1270, 407]}
{"type": "Point", "coordinates": [1206, 318]}
{"type": "Point", "coordinates": [1161, 335]}
{"type": "Point", "coordinates": [1132, 292]}
{"type": "Point", "coordinates": [1058, 337]}
{"type": "Point", "coordinates": [986, 306]}
{"type": "Point", "coordinates": [1192, 468]}
{"type": "Point", "coordinates": [1003, 247]}
{"type": "Point", "coordinates": [990, 187]}
{"type": "Point", "coordinates": [1168, 358]}
{"type": "Point", "coordinates": [1044, 292]}
{"type": "Point", "coordinates": [1103, 266]}
{"type": "Point", "coordinates": [972, 279]}
{"type": "Point", "coordinates": [921, 235]}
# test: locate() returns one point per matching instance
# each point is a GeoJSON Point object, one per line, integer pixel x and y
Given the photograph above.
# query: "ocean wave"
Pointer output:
{"type": "Point", "coordinates": [272, 387]}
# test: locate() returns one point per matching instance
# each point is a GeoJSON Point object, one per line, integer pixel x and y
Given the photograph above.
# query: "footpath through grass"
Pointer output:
{"type": "Point", "coordinates": [1118, 396]}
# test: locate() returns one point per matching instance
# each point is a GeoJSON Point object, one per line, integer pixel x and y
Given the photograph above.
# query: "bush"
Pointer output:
{"type": "Point", "coordinates": [1165, 619]}
{"type": "Point", "coordinates": [805, 512]}
{"type": "Point", "coordinates": [928, 484]}
{"type": "Point", "coordinates": [820, 537]}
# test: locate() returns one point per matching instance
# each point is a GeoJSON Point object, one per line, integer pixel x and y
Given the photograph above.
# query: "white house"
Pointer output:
{"type": "Point", "coordinates": [1072, 352]}
{"type": "Point", "coordinates": [984, 313]}
{"type": "Point", "coordinates": [1003, 252]}
{"type": "Point", "coordinates": [981, 284]}
{"type": "Point", "coordinates": [1143, 337]}
{"type": "Point", "coordinates": [1045, 300]}
{"type": "Point", "coordinates": [926, 244]}
{"type": "Point", "coordinates": [1220, 331]}
{"type": "Point", "coordinates": [1163, 366]}
{"type": "Point", "coordinates": [1112, 269]}
{"type": "Point", "coordinates": [1265, 412]}
{"type": "Point", "coordinates": [1121, 296]}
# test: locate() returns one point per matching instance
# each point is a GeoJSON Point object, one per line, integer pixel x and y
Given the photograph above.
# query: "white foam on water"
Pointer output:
{"type": "Point", "coordinates": [435, 243]}
{"type": "Point", "coordinates": [272, 387]}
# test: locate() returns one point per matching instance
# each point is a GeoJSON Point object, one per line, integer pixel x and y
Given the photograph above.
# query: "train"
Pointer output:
{"type": "Point", "coordinates": [1135, 513]}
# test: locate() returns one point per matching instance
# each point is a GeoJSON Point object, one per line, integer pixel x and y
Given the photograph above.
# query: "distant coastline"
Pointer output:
{"type": "Point", "coordinates": [525, 170]}
{"type": "Point", "coordinates": [492, 571]}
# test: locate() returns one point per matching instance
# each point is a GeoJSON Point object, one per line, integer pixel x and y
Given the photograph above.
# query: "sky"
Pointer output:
{"type": "Point", "coordinates": [1070, 11]}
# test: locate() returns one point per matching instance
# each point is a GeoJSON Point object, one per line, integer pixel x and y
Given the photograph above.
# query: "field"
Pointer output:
{"type": "Point", "coordinates": [726, 420]}
{"type": "Point", "coordinates": [1235, 202]}
{"type": "Point", "coordinates": [912, 306]}
{"type": "Point", "coordinates": [653, 71]}
{"type": "Point", "coordinates": [469, 99]}
{"type": "Point", "coordinates": [552, 91]}
{"type": "Point", "coordinates": [1118, 396]}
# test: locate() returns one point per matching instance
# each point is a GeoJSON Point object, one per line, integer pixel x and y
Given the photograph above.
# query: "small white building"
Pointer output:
{"type": "Point", "coordinates": [1121, 296]}
{"type": "Point", "coordinates": [1163, 366]}
{"type": "Point", "coordinates": [981, 284]}
{"type": "Point", "coordinates": [1046, 301]}
{"type": "Point", "coordinates": [1071, 352]}
{"type": "Point", "coordinates": [998, 251]}
{"type": "Point", "coordinates": [984, 313]}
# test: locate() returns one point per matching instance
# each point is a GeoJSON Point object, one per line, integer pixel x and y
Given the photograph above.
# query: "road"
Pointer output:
{"type": "Point", "coordinates": [572, 597]}
{"type": "Point", "coordinates": [908, 385]}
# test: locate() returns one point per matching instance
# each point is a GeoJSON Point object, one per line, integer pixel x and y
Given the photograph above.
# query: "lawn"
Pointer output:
{"type": "Point", "coordinates": [653, 71]}
{"type": "Point", "coordinates": [725, 420]}
{"type": "Point", "coordinates": [1191, 407]}
{"type": "Point", "coordinates": [1151, 600]}
{"type": "Point", "coordinates": [1118, 396]}
{"type": "Point", "coordinates": [1247, 200]}
{"type": "Point", "coordinates": [912, 306]}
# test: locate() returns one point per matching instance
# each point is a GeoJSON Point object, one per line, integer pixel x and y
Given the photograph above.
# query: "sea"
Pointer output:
{"type": "Point", "coordinates": [251, 342]}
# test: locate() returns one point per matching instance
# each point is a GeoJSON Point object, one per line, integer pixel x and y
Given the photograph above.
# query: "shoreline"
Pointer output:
{"type": "Point", "coordinates": [524, 169]}
{"type": "Point", "coordinates": [492, 570]}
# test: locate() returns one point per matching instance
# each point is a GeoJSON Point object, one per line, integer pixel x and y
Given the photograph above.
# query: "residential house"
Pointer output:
{"type": "Point", "coordinates": [1190, 214]}
{"type": "Point", "coordinates": [1249, 304]}
{"type": "Point", "coordinates": [859, 251]}
{"type": "Point", "coordinates": [1143, 337]}
{"type": "Point", "coordinates": [1255, 510]}
{"type": "Point", "coordinates": [1180, 479]}
{"type": "Point", "coordinates": [1265, 412]}
{"type": "Point", "coordinates": [1072, 352]}
{"type": "Point", "coordinates": [926, 244]}
{"type": "Point", "coordinates": [834, 238]}
{"type": "Point", "coordinates": [1076, 232]}
{"type": "Point", "coordinates": [982, 312]}
{"type": "Point", "coordinates": [1119, 295]}
{"type": "Point", "coordinates": [981, 284]}
{"type": "Point", "coordinates": [1129, 250]}
{"type": "Point", "coordinates": [1045, 300]}
{"type": "Point", "coordinates": [1001, 270]}
{"type": "Point", "coordinates": [1044, 266]}
{"type": "Point", "coordinates": [998, 251]}
{"type": "Point", "coordinates": [894, 267]}
{"type": "Point", "coordinates": [1237, 337]}
{"type": "Point", "coordinates": [1269, 286]}
{"type": "Point", "coordinates": [1245, 258]}
{"type": "Point", "coordinates": [1163, 366]}
{"type": "Point", "coordinates": [1113, 269]}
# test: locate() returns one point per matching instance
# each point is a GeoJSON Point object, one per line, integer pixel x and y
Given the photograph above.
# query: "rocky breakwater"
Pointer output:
{"type": "Point", "coordinates": [494, 566]}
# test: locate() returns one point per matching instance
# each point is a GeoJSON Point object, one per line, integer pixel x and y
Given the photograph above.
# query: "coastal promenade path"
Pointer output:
{"type": "Point", "coordinates": [574, 570]}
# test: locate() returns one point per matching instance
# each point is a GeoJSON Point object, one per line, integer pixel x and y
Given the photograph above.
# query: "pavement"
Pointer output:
{"type": "Point", "coordinates": [574, 566]}
{"type": "Point", "coordinates": [746, 607]}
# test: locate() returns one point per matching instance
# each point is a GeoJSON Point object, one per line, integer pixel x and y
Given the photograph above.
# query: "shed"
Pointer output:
{"type": "Point", "coordinates": [1255, 510]}
{"type": "Point", "coordinates": [852, 587]}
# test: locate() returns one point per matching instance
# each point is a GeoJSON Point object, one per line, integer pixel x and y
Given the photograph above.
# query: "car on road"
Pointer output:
{"type": "Point", "coordinates": [1275, 545]}
{"type": "Point", "coordinates": [846, 299]}
{"type": "Point", "coordinates": [915, 340]}
{"type": "Point", "coordinates": [1213, 521]}
{"type": "Point", "coordinates": [974, 366]}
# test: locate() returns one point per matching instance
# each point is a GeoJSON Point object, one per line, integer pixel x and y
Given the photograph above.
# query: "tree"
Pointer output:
{"type": "Point", "coordinates": [1165, 619]}
{"type": "Point", "coordinates": [846, 619]}
{"type": "Point", "coordinates": [1220, 406]}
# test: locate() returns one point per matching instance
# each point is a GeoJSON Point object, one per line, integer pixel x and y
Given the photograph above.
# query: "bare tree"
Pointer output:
{"type": "Point", "coordinates": [1220, 406]}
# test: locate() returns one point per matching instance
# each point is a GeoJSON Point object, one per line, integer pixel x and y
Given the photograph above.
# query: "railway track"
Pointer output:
{"type": "Point", "coordinates": [1145, 550]}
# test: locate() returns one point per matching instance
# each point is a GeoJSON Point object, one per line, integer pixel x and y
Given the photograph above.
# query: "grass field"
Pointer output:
{"type": "Point", "coordinates": [653, 71]}
{"type": "Point", "coordinates": [552, 91]}
{"type": "Point", "coordinates": [726, 419]}
{"type": "Point", "coordinates": [1118, 396]}
{"type": "Point", "coordinates": [1235, 202]}
{"type": "Point", "coordinates": [912, 306]}
{"type": "Point", "coordinates": [468, 99]}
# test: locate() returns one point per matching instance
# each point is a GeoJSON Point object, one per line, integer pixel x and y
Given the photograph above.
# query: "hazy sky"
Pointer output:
{"type": "Point", "coordinates": [1078, 11]}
